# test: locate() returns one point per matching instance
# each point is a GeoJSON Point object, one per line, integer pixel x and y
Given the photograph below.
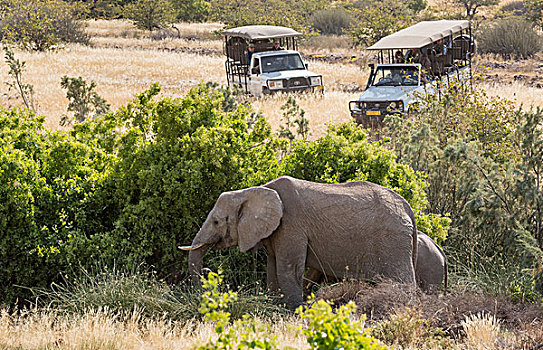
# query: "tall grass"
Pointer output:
{"type": "Point", "coordinates": [123, 292]}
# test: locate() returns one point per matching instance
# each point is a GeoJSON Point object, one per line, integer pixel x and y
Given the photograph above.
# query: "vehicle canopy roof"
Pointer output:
{"type": "Point", "coordinates": [258, 32]}
{"type": "Point", "coordinates": [420, 35]}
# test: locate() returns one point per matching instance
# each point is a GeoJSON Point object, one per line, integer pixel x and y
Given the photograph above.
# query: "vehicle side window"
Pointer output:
{"type": "Point", "coordinates": [256, 66]}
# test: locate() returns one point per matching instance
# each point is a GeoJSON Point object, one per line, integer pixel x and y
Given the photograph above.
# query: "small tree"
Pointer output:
{"type": "Point", "coordinates": [471, 6]}
{"type": "Point", "coordinates": [191, 10]}
{"type": "Point", "coordinates": [377, 19]}
{"type": "Point", "coordinates": [293, 115]}
{"type": "Point", "coordinates": [150, 14]}
{"type": "Point", "coordinates": [84, 101]}
{"type": "Point", "coordinates": [40, 25]}
{"type": "Point", "coordinates": [16, 69]}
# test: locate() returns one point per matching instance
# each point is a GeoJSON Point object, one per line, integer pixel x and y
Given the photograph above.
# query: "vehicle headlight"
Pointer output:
{"type": "Point", "coordinates": [392, 105]}
{"type": "Point", "coordinates": [275, 84]}
{"type": "Point", "coordinates": [316, 81]}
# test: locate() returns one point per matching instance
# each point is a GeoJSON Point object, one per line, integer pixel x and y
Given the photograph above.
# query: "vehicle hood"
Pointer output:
{"type": "Point", "coordinates": [387, 93]}
{"type": "Point", "coordinates": [286, 74]}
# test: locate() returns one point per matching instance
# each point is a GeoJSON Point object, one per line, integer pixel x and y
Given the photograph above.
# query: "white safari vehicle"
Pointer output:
{"type": "Point", "coordinates": [414, 62]}
{"type": "Point", "coordinates": [263, 59]}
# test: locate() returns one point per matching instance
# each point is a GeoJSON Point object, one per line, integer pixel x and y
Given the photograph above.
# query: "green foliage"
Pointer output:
{"type": "Point", "coordinates": [191, 10]}
{"type": "Point", "coordinates": [41, 25]}
{"type": "Point", "coordinates": [480, 157]}
{"type": "Point", "coordinates": [150, 14]}
{"type": "Point", "coordinates": [84, 101]}
{"type": "Point", "coordinates": [271, 12]}
{"type": "Point", "coordinates": [330, 21]}
{"type": "Point", "coordinates": [375, 19]}
{"type": "Point", "coordinates": [293, 115]}
{"type": "Point", "coordinates": [471, 6]}
{"type": "Point", "coordinates": [328, 329]}
{"type": "Point", "coordinates": [16, 69]}
{"type": "Point", "coordinates": [46, 182]}
{"type": "Point", "coordinates": [510, 38]}
{"type": "Point", "coordinates": [408, 329]}
{"type": "Point", "coordinates": [246, 333]}
{"type": "Point", "coordinates": [534, 12]}
{"type": "Point", "coordinates": [128, 187]}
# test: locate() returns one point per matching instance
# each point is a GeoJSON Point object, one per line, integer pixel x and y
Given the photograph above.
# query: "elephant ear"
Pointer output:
{"type": "Point", "coordinates": [259, 215]}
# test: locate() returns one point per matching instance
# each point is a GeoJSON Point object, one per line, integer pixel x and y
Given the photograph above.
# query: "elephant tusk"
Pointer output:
{"type": "Point", "coordinates": [192, 247]}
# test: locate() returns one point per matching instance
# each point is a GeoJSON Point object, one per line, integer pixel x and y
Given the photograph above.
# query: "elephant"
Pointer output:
{"type": "Point", "coordinates": [431, 266]}
{"type": "Point", "coordinates": [430, 269]}
{"type": "Point", "coordinates": [355, 230]}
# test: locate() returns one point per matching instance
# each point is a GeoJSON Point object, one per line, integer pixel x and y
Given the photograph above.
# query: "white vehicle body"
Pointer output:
{"type": "Point", "coordinates": [385, 96]}
{"type": "Point", "coordinates": [274, 71]}
{"type": "Point", "coordinates": [399, 83]}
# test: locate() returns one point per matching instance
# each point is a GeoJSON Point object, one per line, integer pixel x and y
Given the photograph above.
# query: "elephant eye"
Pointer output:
{"type": "Point", "coordinates": [216, 222]}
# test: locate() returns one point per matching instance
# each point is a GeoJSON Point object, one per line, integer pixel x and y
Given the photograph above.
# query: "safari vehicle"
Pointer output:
{"type": "Point", "coordinates": [414, 62]}
{"type": "Point", "coordinates": [272, 65]}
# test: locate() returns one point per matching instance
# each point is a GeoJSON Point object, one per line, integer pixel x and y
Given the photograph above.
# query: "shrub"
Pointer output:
{"type": "Point", "coordinates": [191, 10]}
{"type": "Point", "coordinates": [129, 187]}
{"type": "Point", "coordinates": [84, 101]}
{"type": "Point", "coordinates": [407, 328]}
{"type": "Point", "coordinates": [246, 333]}
{"type": "Point", "coordinates": [375, 19]}
{"type": "Point", "coordinates": [510, 38]}
{"type": "Point", "coordinates": [482, 163]}
{"type": "Point", "coordinates": [150, 14]}
{"type": "Point", "coordinates": [330, 21]}
{"type": "Point", "coordinates": [514, 8]}
{"type": "Point", "coordinates": [16, 68]}
{"type": "Point", "coordinates": [235, 14]}
{"type": "Point", "coordinates": [41, 25]}
{"type": "Point", "coordinates": [534, 12]}
{"type": "Point", "coordinates": [328, 329]}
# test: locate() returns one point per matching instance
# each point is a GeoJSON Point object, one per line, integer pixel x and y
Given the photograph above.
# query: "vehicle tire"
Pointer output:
{"type": "Point", "coordinates": [413, 111]}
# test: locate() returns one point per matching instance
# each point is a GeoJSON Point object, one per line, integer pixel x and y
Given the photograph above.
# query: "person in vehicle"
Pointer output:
{"type": "Point", "coordinates": [398, 57]}
{"type": "Point", "coordinates": [412, 56]}
{"type": "Point", "coordinates": [277, 46]}
{"type": "Point", "coordinates": [425, 61]}
{"type": "Point", "coordinates": [250, 52]}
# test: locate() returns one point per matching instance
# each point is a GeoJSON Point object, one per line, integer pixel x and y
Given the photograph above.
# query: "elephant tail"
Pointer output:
{"type": "Point", "coordinates": [415, 235]}
{"type": "Point", "coordinates": [445, 272]}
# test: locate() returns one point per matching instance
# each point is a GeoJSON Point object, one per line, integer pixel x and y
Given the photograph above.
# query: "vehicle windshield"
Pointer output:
{"type": "Point", "coordinates": [278, 63]}
{"type": "Point", "coordinates": [396, 76]}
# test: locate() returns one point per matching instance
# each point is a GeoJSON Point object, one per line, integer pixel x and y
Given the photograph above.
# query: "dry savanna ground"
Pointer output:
{"type": "Point", "coordinates": [123, 61]}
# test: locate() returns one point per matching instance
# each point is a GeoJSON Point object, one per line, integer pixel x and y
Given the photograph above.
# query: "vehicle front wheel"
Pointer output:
{"type": "Point", "coordinates": [413, 111]}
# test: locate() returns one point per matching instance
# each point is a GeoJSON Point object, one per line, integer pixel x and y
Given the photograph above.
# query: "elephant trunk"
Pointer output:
{"type": "Point", "coordinates": [196, 258]}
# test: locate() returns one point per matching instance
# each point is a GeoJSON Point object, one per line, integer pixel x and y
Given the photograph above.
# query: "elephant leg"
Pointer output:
{"type": "Point", "coordinates": [312, 277]}
{"type": "Point", "coordinates": [271, 273]}
{"type": "Point", "coordinates": [290, 274]}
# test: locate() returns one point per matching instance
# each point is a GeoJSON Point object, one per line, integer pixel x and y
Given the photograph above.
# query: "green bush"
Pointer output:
{"type": "Point", "coordinates": [329, 329]}
{"type": "Point", "coordinates": [534, 12]}
{"type": "Point", "coordinates": [510, 38]}
{"type": "Point", "coordinates": [129, 187]}
{"type": "Point", "coordinates": [375, 19]}
{"type": "Point", "coordinates": [481, 158]}
{"type": "Point", "coordinates": [330, 21]}
{"type": "Point", "coordinates": [41, 25]}
{"type": "Point", "coordinates": [191, 10]}
{"type": "Point", "coordinates": [84, 101]}
{"type": "Point", "coordinates": [150, 14]}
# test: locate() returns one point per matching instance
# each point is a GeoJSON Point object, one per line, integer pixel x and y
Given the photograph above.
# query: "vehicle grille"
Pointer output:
{"type": "Point", "coordinates": [296, 82]}
{"type": "Point", "coordinates": [376, 105]}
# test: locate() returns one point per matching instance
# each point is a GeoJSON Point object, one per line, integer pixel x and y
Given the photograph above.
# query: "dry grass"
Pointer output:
{"type": "Point", "coordinates": [123, 61]}
{"type": "Point", "coordinates": [103, 330]}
